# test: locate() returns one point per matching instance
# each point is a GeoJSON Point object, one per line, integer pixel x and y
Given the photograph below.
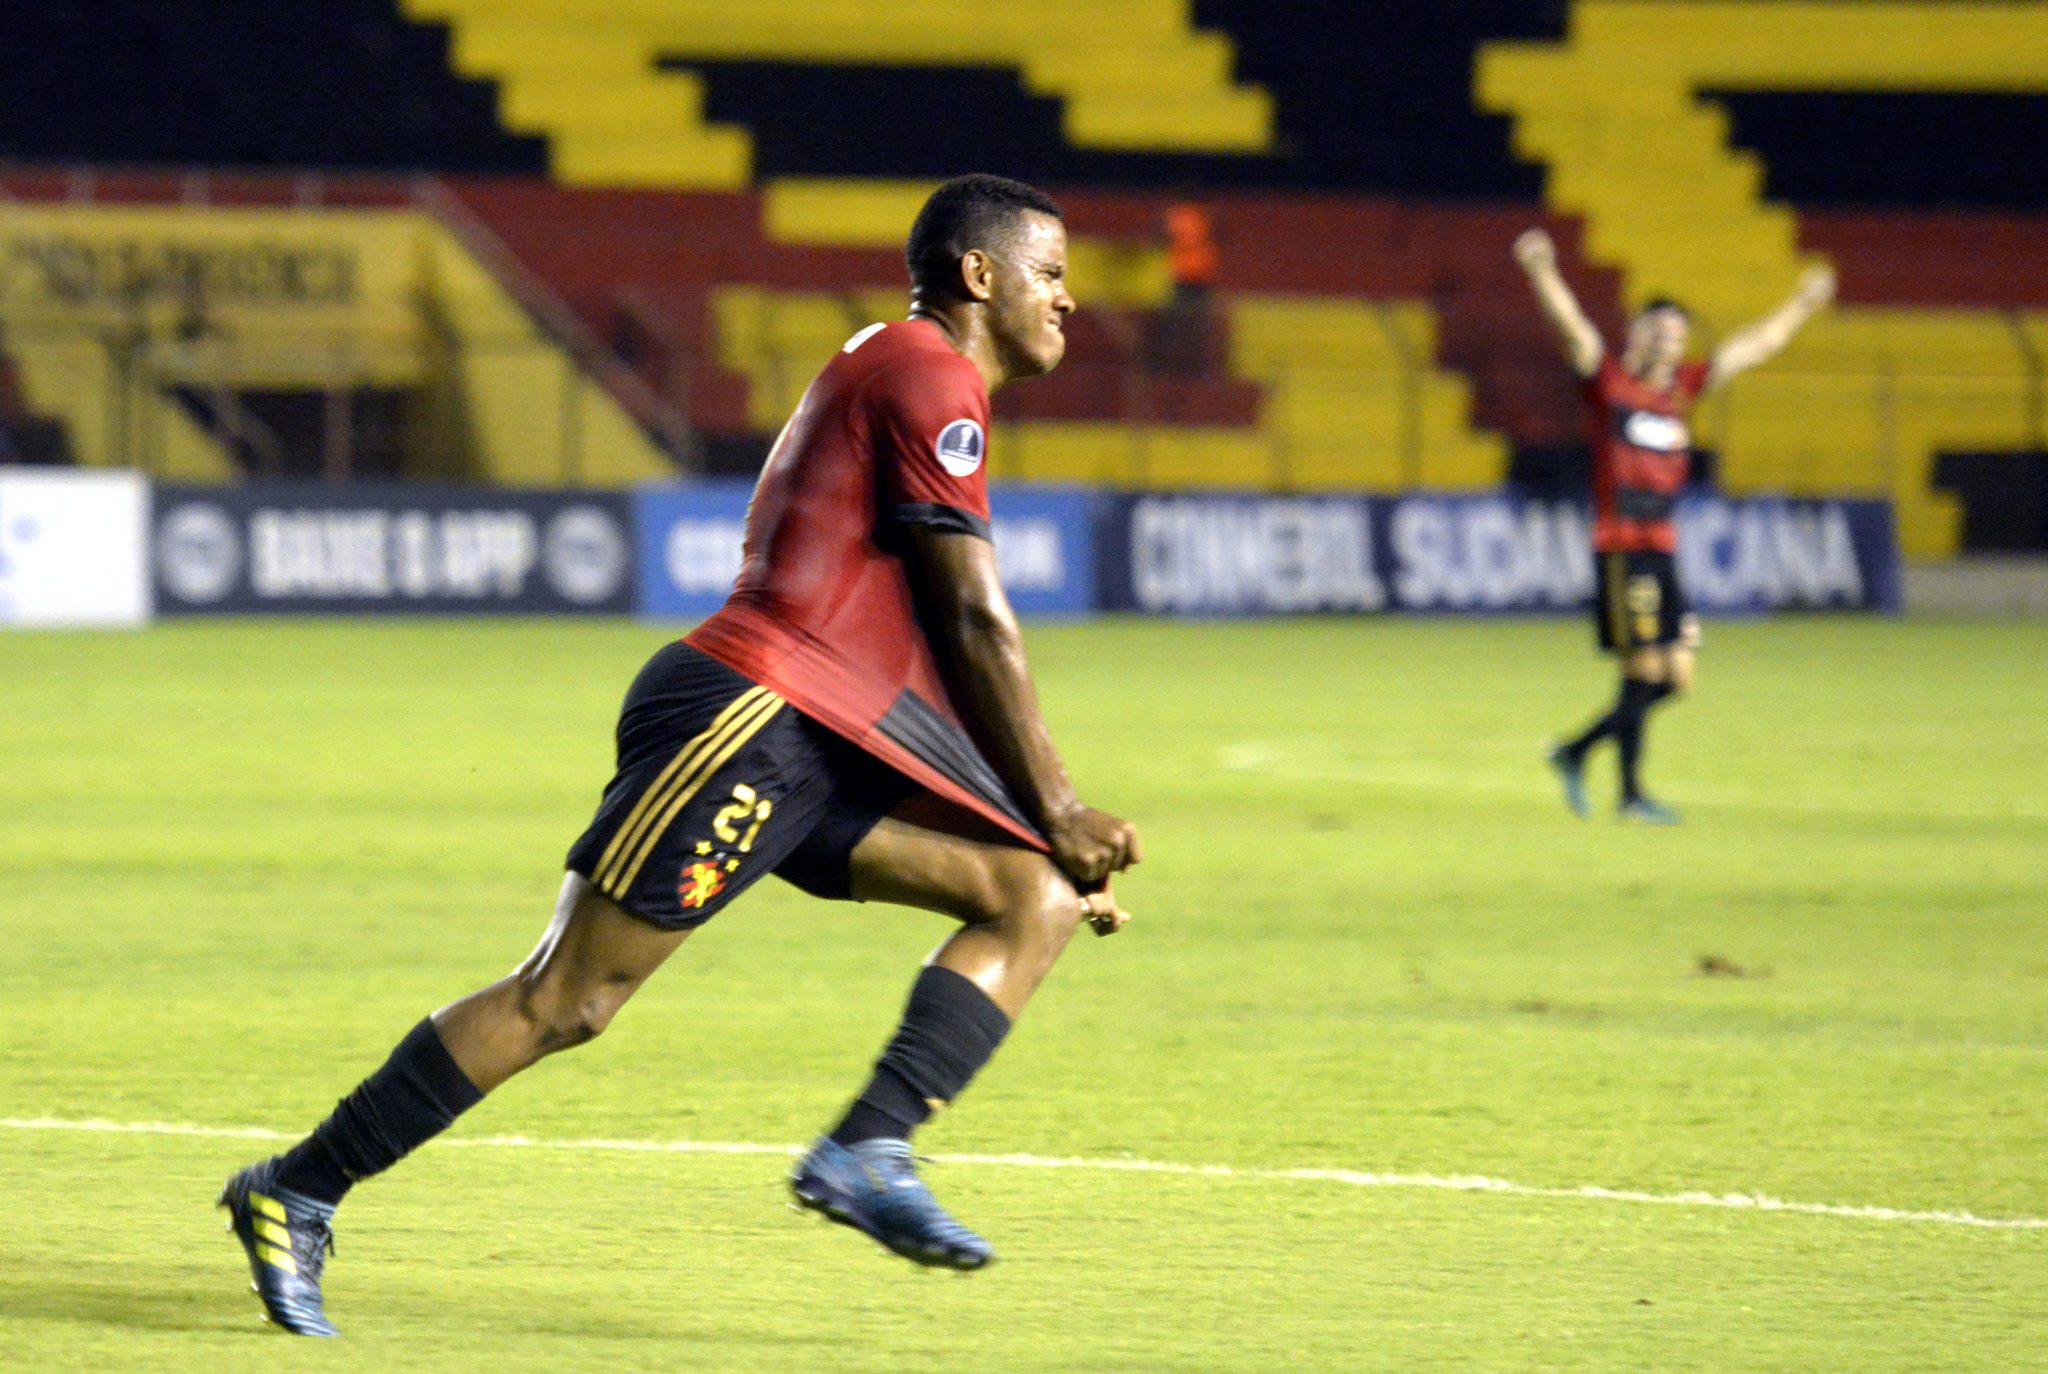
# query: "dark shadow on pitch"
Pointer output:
{"type": "Point", "coordinates": [131, 1302]}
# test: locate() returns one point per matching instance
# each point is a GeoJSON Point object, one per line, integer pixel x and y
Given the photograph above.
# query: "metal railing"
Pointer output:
{"type": "Point", "coordinates": [313, 404]}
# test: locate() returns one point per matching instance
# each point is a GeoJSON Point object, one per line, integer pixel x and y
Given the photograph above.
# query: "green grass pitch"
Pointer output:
{"type": "Point", "coordinates": [238, 860]}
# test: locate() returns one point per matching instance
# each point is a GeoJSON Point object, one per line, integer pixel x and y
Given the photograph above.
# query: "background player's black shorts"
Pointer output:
{"type": "Point", "coordinates": [719, 781]}
{"type": "Point", "coordinates": [1637, 601]}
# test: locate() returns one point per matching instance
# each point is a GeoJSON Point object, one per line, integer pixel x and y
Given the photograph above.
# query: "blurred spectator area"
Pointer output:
{"type": "Point", "coordinates": [345, 85]}
{"type": "Point", "coordinates": [25, 436]}
{"type": "Point", "coordinates": [625, 170]}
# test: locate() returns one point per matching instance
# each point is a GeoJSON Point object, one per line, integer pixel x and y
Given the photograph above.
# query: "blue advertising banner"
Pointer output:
{"type": "Point", "coordinates": [1779, 553]}
{"type": "Point", "coordinates": [1045, 548]}
{"type": "Point", "coordinates": [1216, 554]}
{"type": "Point", "coordinates": [689, 546]}
{"type": "Point", "coordinates": [690, 538]}
{"type": "Point", "coordinates": [305, 548]}
{"type": "Point", "coordinates": [672, 553]}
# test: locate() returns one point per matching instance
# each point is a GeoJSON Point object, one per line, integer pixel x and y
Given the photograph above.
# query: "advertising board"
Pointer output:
{"type": "Point", "coordinates": [310, 549]}
{"type": "Point", "coordinates": [690, 540]}
{"type": "Point", "coordinates": [72, 547]}
{"type": "Point", "coordinates": [1494, 552]}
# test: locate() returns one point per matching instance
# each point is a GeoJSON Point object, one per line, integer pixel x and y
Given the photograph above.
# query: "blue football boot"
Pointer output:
{"type": "Point", "coordinates": [1648, 811]}
{"type": "Point", "coordinates": [873, 1188]}
{"type": "Point", "coordinates": [1571, 772]}
{"type": "Point", "coordinates": [288, 1238]}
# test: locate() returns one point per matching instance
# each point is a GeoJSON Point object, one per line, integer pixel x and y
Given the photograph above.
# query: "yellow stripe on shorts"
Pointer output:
{"type": "Point", "coordinates": [681, 760]}
{"type": "Point", "coordinates": [680, 781]}
{"type": "Point", "coordinates": [1615, 566]}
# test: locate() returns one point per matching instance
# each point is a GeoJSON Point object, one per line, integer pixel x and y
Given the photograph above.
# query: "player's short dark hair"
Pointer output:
{"type": "Point", "coordinates": [975, 211]}
{"type": "Point", "coordinates": [1656, 303]}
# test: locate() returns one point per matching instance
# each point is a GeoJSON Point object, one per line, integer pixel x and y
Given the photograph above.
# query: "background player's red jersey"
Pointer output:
{"type": "Point", "coordinates": [1642, 452]}
{"type": "Point", "coordinates": [892, 432]}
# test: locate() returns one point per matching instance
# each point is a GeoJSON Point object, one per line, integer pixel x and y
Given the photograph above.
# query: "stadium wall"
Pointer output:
{"type": "Point", "coordinates": [151, 332]}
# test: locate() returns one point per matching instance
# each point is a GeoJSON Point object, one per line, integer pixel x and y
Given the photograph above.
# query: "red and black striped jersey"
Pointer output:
{"type": "Point", "coordinates": [1642, 452]}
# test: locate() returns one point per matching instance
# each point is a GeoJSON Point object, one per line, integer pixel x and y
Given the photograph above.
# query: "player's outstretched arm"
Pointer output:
{"type": "Point", "coordinates": [981, 649]}
{"type": "Point", "coordinates": [1538, 258]}
{"type": "Point", "coordinates": [1747, 347]}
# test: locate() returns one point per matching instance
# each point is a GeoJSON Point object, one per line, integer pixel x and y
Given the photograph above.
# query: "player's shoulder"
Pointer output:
{"type": "Point", "coordinates": [916, 344]}
{"type": "Point", "coordinates": [909, 365]}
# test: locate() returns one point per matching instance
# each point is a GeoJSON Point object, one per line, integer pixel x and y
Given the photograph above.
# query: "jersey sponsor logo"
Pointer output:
{"type": "Point", "coordinates": [1647, 429]}
{"type": "Point", "coordinates": [857, 340]}
{"type": "Point", "coordinates": [959, 447]}
{"type": "Point", "coordinates": [1643, 505]}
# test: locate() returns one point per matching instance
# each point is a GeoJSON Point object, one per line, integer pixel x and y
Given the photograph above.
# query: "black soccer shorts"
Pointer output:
{"type": "Point", "coordinates": [1638, 603]}
{"type": "Point", "coordinates": [720, 781]}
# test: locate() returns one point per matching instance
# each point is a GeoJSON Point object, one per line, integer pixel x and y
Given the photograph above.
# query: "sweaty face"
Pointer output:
{"type": "Point", "coordinates": [1028, 298]}
{"type": "Point", "coordinates": [1656, 341]}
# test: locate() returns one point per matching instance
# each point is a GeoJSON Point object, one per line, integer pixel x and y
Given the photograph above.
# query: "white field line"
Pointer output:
{"type": "Point", "coordinates": [1356, 1178]}
{"type": "Point", "coordinates": [1473, 774]}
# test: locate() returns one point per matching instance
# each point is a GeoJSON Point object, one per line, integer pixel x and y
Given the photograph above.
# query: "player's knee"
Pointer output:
{"type": "Point", "coordinates": [1023, 892]}
{"type": "Point", "coordinates": [1679, 678]}
{"type": "Point", "coordinates": [560, 1015]}
{"type": "Point", "coordinates": [1044, 910]}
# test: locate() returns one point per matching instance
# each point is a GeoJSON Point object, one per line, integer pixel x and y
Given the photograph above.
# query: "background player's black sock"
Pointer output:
{"type": "Point", "coordinates": [1597, 731]}
{"type": "Point", "coordinates": [1633, 709]}
{"type": "Point", "coordinates": [948, 1032]}
{"type": "Point", "coordinates": [1626, 713]}
{"type": "Point", "coordinates": [410, 1100]}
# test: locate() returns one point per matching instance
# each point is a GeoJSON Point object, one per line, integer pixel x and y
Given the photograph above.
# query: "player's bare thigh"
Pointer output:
{"type": "Point", "coordinates": [1671, 664]}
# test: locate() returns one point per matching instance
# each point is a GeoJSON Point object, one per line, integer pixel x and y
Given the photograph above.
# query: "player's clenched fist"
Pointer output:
{"type": "Point", "coordinates": [1089, 845]}
{"type": "Point", "coordinates": [1817, 286]}
{"type": "Point", "coordinates": [1534, 250]}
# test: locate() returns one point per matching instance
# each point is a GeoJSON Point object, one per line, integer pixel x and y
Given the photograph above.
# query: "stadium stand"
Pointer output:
{"type": "Point", "coordinates": [1862, 149]}
{"type": "Point", "coordinates": [1326, 353]}
{"type": "Point", "coordinates": [345, 85]}
{"type": "Point", "coordinates": [1868, 397]}
{"type": "Point", "coordinates": [611, 85]}
{"type": "Point", "coordinates": [1366, 167]}
{"type": "Point", "coordinates": [25, 436]}
{"type": "Point", "coordinates": [209, 328]}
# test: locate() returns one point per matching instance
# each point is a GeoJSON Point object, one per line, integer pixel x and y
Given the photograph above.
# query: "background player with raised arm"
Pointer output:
{"type": "Point", "coordinates": [857, 719]}
{"type": "Point", "coordinates": [1636, 410]}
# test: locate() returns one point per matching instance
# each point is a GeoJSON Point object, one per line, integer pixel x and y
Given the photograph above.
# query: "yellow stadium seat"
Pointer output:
{"type": "Point", "coordinates": [1866, 398]}
{"type": "Point", "coordinates": [1134, 74]}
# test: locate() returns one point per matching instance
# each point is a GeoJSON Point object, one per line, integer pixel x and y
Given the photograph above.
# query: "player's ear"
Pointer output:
{"type": "Point", "coordinates": [977, 274]}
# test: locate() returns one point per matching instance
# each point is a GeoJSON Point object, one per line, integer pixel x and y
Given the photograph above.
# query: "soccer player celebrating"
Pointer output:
{"type": "Point", "coordinates": [858, 719]}
{"type": "Point", "coordinates": [1636, 408]}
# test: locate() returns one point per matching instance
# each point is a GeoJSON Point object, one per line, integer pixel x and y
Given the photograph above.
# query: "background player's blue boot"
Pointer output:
{"type": "Point", "coordinates": [873, 1188]}
{"type": "Point", "coordinates": [1648, 811]}
{"type": "Point", "coordinates": [288, 1239]}
{"type": "Point", "coordinates": [1571, 772]}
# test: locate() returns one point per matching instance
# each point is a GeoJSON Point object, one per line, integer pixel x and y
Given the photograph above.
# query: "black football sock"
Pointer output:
{"type": "Point", "coordinates": [1634, 708]}
{"type": "Point", "coordinates": [948, 1032]}
{"type": "Point", "coordinates": [410, 1100]}
{"type": "Point", "coordinates": [1577, 749]}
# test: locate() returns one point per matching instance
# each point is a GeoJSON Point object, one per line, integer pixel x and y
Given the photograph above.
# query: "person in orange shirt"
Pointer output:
{"type": "Point", "coordinates": [1179, 344]}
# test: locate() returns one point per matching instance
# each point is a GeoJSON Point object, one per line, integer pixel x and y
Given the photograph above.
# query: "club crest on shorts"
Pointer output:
{"type": "Point", "coordinates": [701, 882]}
{"type": "Point", "coordinates": [960, 446]}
